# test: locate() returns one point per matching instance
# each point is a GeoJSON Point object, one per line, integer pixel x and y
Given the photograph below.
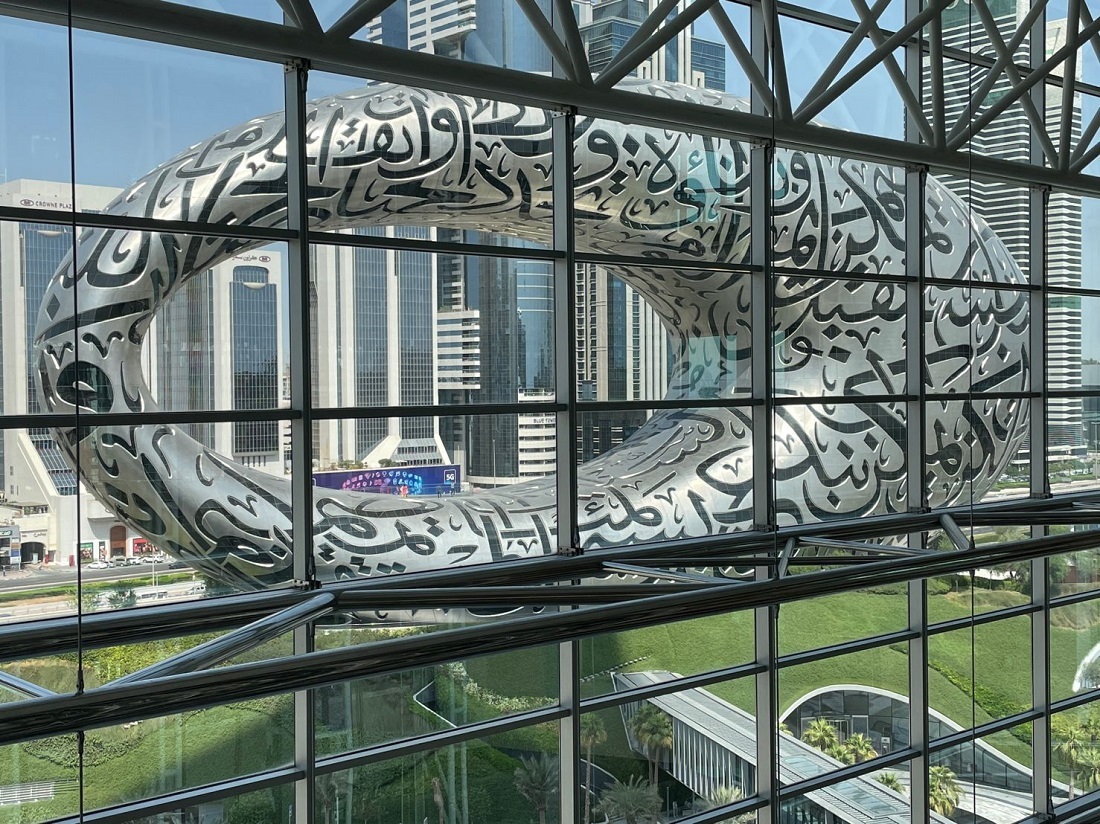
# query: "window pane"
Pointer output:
{"type": "Point", "coordinates": [838, 337]}
{"type": "Point", "coordinates": [839, 460]}
{"type": "Point", "coordinates": [700, 461]}
{"type": "Point", "coordinates": [176, 98]}
{"type": "Point", "coordinates": [680, 648]}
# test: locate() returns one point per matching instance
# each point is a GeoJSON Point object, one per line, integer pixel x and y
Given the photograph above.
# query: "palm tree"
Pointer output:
{"type": "Point", "coordinates": [891, 781]}
{"type": "Point", "coordinates": [593, 733]}
{"type": "Point", "coordinates": [1089, 762]}
{"type": "Point", "coordinates": [840, 753]}
{"type": "Point", "coordinates": [537, 781]}
{"type": "Point", "coordinates": [725, 795]}
{"type": "Point", "coordinates": [636, 802]}
{"type": "Point", "coordinates": [652, 729]}
{"type": "Point", "coordinates": [860, 747]}
{"type": "Point", "coordinates": [943, 790]}
{"type": "Point", "coordinates": [1070, 738]}
{"type": "Point", "coordinates": [821, 734]}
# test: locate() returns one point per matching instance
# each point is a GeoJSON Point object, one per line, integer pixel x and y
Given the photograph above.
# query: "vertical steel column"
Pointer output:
{"type": "Point", "coordinates": [763, 491]}
{"type": "Point", "coordinates": [301, 462]}
{"type": "Point", "coordinates": [565, 364]}
{"type": "Point", "coordinates": [1038, 207]}
{"type": "Point", "coordinates": [918, 700]}
{"type": "Point", "coordinates": [565, 371]}
{"type": "Point", "coordinates": [915, 181]}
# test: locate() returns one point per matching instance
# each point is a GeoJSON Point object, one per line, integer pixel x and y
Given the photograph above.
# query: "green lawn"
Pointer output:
{"type": "Point", "coordinates": [1001, 665]}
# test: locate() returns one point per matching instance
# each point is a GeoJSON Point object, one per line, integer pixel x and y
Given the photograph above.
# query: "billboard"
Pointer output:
{"type": "Point", "coordinates": [442, 479]}
{"type": "Point", "coordinates": [11, 552]}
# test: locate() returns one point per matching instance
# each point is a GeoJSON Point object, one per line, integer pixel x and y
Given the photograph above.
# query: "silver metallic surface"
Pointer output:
{"type": "Point", "coordinates": [391, 155]}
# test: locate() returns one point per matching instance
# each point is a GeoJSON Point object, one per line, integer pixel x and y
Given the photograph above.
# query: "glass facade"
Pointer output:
{"type": "Point", "coordinates": [673, 411]}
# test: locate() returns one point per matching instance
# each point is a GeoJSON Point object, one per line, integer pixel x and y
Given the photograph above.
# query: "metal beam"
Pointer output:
{"type": "Point", "coordinates": [25, 688]}
{"type": "Point", "coordinates": [54, 636]}
{"type": "Point", "coordinates": [1069, 78]}
{"type": "Point", "coordinates": [549, 37]}
{"type": "Point", "coordinates": [247, 637]}
{"type": "Point", "coordinates": [662, 574]}
{"type": "Point", "coordinates": [1019, 90]}
{"type": "Point", "coordinates": [977, 98]}
{"type": "Point", "coordinates": [301, 13]}
{"type": "Point", "coordinates": [1031, 111]}
{"type": "Point", "coordinates": [772, 42]}
{"type": "Point", "coordinates": [358, 16]}
{"type": "Point", "coordinates": [267, 41]}
{"type": "Point", "coordinates": [957, 536]}
{"type": "Point", "coordinates": [111, 704]}
{"type": "Point", "coordinates": [811, 107]}
{"type": "Point", "coordinates": [641, 34]}
{"type": "Point", "coordinates": [913, 106]}
{"type": "Point", "coordinates": [743, 57]}
{"type": "Point", "coordinates": [565, 23]}
{"type": "Point", "coordinates": [868, 22]}
{"type": "Point", "coordinates": [626, 63]}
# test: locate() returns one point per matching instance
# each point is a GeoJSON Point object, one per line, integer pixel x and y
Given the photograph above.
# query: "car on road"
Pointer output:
{"type": "Point", "coordinates": [99, 565]}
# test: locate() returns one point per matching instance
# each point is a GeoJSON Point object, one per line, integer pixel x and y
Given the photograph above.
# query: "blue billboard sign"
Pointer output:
{"type": "Point", "coordinates": [444, 479]}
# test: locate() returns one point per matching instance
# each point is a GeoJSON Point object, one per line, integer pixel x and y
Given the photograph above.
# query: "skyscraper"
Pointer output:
{"type": "Point", "coordinates": [217, 345]}
{"type": "Point", "coordinates": [1006, 208]}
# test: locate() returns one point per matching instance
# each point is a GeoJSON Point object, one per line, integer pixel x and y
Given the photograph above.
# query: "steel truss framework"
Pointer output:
{"type": "Point", "coordinates": [674, 582]}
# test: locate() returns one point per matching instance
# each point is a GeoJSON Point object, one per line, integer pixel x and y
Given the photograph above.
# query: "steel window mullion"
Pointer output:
{"type": "Point", "coordinates": [764, 22]}
{"type": "Point", "coordinates": [431, 246]}
{"type": "Point", "coordinates": [563, 130]}
{"type": "Point", "coordinates": [433, 410]}
{"type": "Point", "coordinates": [982, 618]}
{"type": "Point", "coordinates": [980, 731]}
{"type": "Point", "coordinates": [1039, 202]}
{"type": "Point", "coordinates": [918, 700]}
{"type": "Point", "coordinates": [1074, 598]}
{"type": "Point", "coordinates": [436, 740]}
{"type": "Point", "coordinates": [705, 679]}
{"type": "Point", "coordinates": [795, 659]}
{"type": "Point", "coordinates": [128, 813]}
{"type": "Point", "coordinates": [135, 223]}
{"type": "Point", "coordinates": [301, 376]}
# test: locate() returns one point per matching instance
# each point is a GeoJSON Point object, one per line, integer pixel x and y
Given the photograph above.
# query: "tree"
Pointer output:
{"type": "Point", "coordinates": [1069, 739]}
{"type": "Point", "coordinates": [121, 598]}
{"type": "Point", "coordinates": [840, 753]}
{"type": "Point", "coordinates": [860, 748]}
{"type": "Point", "coordinates": [327, 789]}
{"type": "Point", "coordinates": [652, 729]}
{"type": "Point", "coordinates": [593, 733]}
{"type": "Point", "coordinates": [636, 801]}
{"type": "Point", "coordinates": [85, 602]}
{"type": "Point", "coordinates": [1089, 764]}
{"type": "Point", "coordinates": [891, 781]}
{"type": "Point", "coordinates": [725, 795]}
{"type": "Point", "coordinates": [943, 790]}
{"type": "Point", "coordinates": [537, 781]}
{"type": "Point", "coordinates": [821, 734]}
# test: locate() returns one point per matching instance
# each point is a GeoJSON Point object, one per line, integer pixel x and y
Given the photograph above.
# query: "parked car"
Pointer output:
{"type": "Point", "coordinates": [99, 565]}
{"type": "Point", "coordinates": [135, 561]}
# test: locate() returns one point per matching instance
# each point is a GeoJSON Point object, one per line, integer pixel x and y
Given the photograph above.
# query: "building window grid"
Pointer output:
{"type": "Point", "coordinates": [1044, 606]}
